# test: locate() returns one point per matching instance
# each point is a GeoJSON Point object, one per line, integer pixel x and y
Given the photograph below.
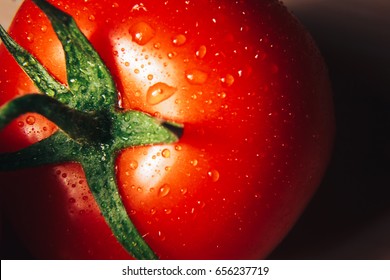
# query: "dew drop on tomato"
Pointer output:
{"type": "Point", "coordinates": [44, 28]}
{"type": "Point", "coordinates": [141, 33]}
{"type": "Point", "coordinates": [196, 76]}
{"type": "Point", "coordinates": [214, 175]}
{"type": "Point", "coordinates": [166, 153]}
{"type": "Point", "coordinates": [228, 80]}
{"type": "Point", "coordinates": [30, 37]}
{"type": "Point", "coordinates": [30, 120]}
{"type": "Point", "coordinates": [172, 55]}
{"type": "Point", "coordinates": [164, 190]}
{"type": "Point", "coordinates": [179, 40]}
{"type": "Point", "coordinates": [201, 52]}
{"type": "Point", "coordinates": [159, 92]}
{"type": "Point", "coordinates": [178, 148]}
{"type": "Point", "coordinates": [133, 164]}
{"type": "Point", "coordinates": [222, 95]}
{"type": "Point", "coordinates": [72, 200]}
{"type": "Point", "coordinates": [160, 235]}
{"type": "Point", "coordinates": [201, 204]}
{"type": "Point", "coordinates": [183, 191]}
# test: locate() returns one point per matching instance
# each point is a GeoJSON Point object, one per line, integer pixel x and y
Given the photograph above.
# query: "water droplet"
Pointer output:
{"type": "Point", "coordinates": [159, 92]}
{"type": "Point", "coordinates": [20, 124]}
{"type": "Point", "coordinates": [133, 164]}
{"type": "Point", "coordinates": [201, 52]}
{"type": "Point", "coordinates": [157, 46]}
{"type": "Point", "coordinates": [91, 18]}
{"type": "Point", "coordinates": [64, 175]}
{"type": "Point", "coordinates": [183, 191]}
{"type": "Point", "coordinates": [194, 162]}
{"type": "Point", "coordinates": [196, 77]}
{"type": "Point", "coordinates": [139, 7]}
{"type": "Point", "coordinates": [166, 153]}
{"type": "Point", "coordinates": [85, 197]}
{"type": "Point", "coordinates": [30, 37]}
{"type": "Point", "coordinates": [179, 40]}
{"type": "Point", "coordinates": [72, 200]}
{"type": "Point", "coordinates": [44, 28]}
{"type": "Point", "coordinates": [30, 120]}
{"type": "Point", "coordinates": [141, 33]}
{"type": "Point", "coordinates": [127, 64]}
{"type": "Point", "coordinates": [214, 175]}
{"type": "Point", "coordinates": [167, 211]}
{"type": "Point", "coordinates": [172, 55]}
{"type": "Point", "coordinates": [201, 204]}
{"type": "Point", "coordinates": [115, 5]}
{"type": "Point", "coordinates": [178, 148]}
{"type": "Point", "coordinates": [164, 190]}
{"type": "Point", "coordinates": [150, 77]}
{"type": "Point", "coordinates": [228, 80]}
{"type": "Point", "coordinates": [153, 211]}
{"type": "Point", "coordinates": [139, 189]}
{"type": "Point", "coordinates": [222, 95]}
{"type": "Point", "coordinates": [161, 236]}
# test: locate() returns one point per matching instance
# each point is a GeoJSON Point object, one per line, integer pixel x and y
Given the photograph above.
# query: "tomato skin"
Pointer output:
{"type": "Point", "coordinates": [252, 91]}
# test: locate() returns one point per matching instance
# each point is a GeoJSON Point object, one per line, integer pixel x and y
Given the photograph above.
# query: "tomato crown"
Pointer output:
{"type": "Point", "coordinates": [93, 129]}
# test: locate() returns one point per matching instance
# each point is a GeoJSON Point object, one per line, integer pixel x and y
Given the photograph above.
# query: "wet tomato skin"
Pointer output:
{"type": "Point", "coordinates": [251, 89]}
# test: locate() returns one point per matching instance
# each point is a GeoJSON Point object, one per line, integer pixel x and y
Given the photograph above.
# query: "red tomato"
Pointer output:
{"type": "Point", "coordinates": [251, 89]}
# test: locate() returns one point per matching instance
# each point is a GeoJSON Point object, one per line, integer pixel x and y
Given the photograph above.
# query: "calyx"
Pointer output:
{"type": "Point", "coordinates": [92, 129]}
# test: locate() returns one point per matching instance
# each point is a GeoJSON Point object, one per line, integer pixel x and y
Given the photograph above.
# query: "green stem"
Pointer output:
{"type": "Point", "coordinates": [80, 126]}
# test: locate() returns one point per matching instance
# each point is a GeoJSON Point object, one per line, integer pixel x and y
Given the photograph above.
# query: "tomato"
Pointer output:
{"type": "Point", "coordinates": [248, 85]}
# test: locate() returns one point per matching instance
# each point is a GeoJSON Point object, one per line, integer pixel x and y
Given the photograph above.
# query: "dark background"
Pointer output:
{"type": "Point", "coordinates": [349, 217]}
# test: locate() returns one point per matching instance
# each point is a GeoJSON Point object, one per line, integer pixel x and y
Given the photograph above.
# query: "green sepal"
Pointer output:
{"type": "Point", "coordinates": [105, 192]}
{"type": "Point", "coordinates": [71, 121]}
{"type": "Point", "coordinates": [35, 70]}
{"type": "Point", "coordinates": [134, 128]}
{"type": "Point", "coordinates": [58, 148]}
{"type": "Point", "coordinates": [88, 77]}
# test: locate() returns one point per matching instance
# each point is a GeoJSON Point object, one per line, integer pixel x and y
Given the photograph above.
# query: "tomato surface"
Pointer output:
{"type": "Point", "coordinates": [251, 89]}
